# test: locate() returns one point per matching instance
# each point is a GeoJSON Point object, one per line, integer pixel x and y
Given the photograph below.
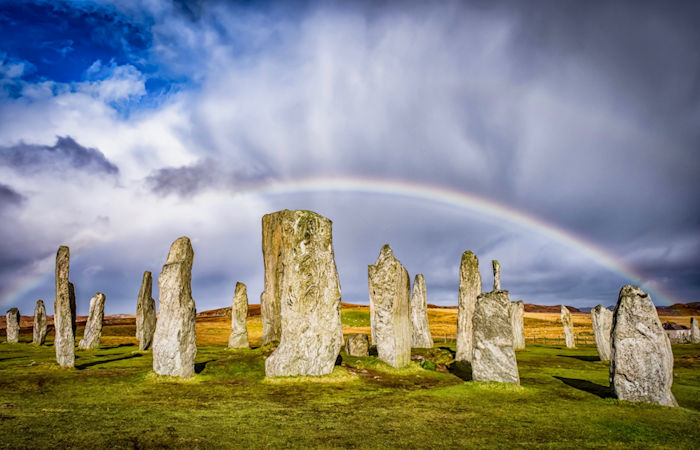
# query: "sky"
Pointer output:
{"type": "Point", "coordinates": [561, 138]}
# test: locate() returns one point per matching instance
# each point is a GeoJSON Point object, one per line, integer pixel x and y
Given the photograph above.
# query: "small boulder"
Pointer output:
{"type": "Point", "coordinates": [357, 345]}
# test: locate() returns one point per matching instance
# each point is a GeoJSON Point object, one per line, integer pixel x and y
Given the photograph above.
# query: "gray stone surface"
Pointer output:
{"type": "Point", "coordinates": [389, 292]}
{"type": "Point", "coordinates": [496, 275]}
{"type": "Point", "coordinates": [517, 321]}
{"type": "Point", "coordinates": [40, 323]}
{"type": "Point", "coordinates": [420, 335]}
{"type": "Point", "coordinates": [239, 313]}
{"type": "Point", "coordinates": [568, 325]}
{"type": "Point", "coordinates": [174, 345]}
{"type": "Point", "coordinates": [145, 313]}
{"type": "Point", "coordinates": [12, 325]}
{"type": "Point", "coordinates": [694, 331]}
{"type": "Point", "coordinates": [357, 345]}
{"type": "Point", "coordinates": [64, 311]}
{"type": "Point", "coordinates": [93, 326]}
{"type": "Point", "coordinates": [270, 306]}
{"type": "Point", "coordinates": [641, 363]}
{"type": "Point", "coordinates": [469, 290]}
{"type": "Point", "coordinates": [311, 330]}
{"type": "Point", "coordinates": [602, 318]}
{"type": "Point", "coordinates": [493, 357]}
{"type": "Point", "coordinates": [679, 336]}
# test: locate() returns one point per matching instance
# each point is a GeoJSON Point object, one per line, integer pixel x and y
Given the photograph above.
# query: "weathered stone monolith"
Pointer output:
{"type": "Point", "coordinates": [568, 324]}
{"type": "Point", "coordinates": [694, 331]}
{"type": "Point", "coordinates": [517, 319]}
{"type": "Point", "coordinates": [12, 325]}
{"type": "Point", "coordinates": [357, 345]}
{"type": "Point", "coordinates": [602, 318]}
{"type": "Point", "coordinates": [145, 313]}
{"type": "Point", "coordinates": [270, 306]}
{"type": "Point", "coordinates": [174, 345]}
{"type": "Point", "coordinates": [311, 330]}
{"type": "Point", "coordinates": [469, 290]}
{"type": "Point", "coordinates": [239, 313]}
{"type": "Point", "coordinates": [64, 311]}
{"type": "Point", "coordinates": [493, 357]}
{"type": "Point", "coordinates": [496, 275]}
{"type": "Point", "coordinates": [40, 323]}
{"type": "Point", "coordinates": [390, 291]}
{"type": "Point", "coordinates": [641, 362]}
{"type": "Point", "coordinates": [420, 336]}
{"type": "Point", "coordinates": [93, 326]}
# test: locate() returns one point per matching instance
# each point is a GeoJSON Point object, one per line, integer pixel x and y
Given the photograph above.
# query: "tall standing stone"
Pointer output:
{"type": "Point", "coordinates": [602, 319]}
{"type": "Point", "coordinates": [64, 311]}
{"type": "Point", "coordinates": [270, 306]}
{"type": "Point", "coordinates": [568, 324]}
{"type": "Point", "coordinates": [641, 363]}
{"type": "Point", "coordinates": [694, 331]}
{"type": "Point", "coordinates": [174, 345]}
{"type": "Point", "coordinates": [496, 275]}
{"type": "Point", "coordinates": [145, 313]}
{"type": "Point", "coordinates": [469, 290]}
{"type": "Point", "coordinates": [12, 325]}
{"type": "Point", "coordinates": [420, 336]}
{"type": "Point", "coordinates": [493, 357]}
{"type": "Point", "coordinates": [239, 313]}
{"type": "Point", "coordinates": [390, 291]}
{"type": "Point", "coordinates": [40, 323]}
{"type": "Point", "coordinates": [93, 326]}
{"type": "Point", "coordinates": [311, 330]}
{"type": "Point", "coordinates": [517, 321]}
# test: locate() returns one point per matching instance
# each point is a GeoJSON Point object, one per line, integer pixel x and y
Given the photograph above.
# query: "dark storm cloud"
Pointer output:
{"type": "Point", "coordinates": [9, 196]}
{"type": "Point", "coordinates": [65, 154]}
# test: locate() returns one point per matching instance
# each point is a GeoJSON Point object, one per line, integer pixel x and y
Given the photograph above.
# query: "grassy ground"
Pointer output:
{"type": "Point", "coordinates": [112, 399]}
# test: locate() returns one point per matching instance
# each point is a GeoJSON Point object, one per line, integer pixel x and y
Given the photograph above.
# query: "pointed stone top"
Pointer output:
{"type": "Point", "coordinates": [13, 311]}
{"type": "Point", "coordinates": [519, 302]}
{"type": "Point", "coordinates": [40, 302]}
{"type": "Point", "coordinates": [470, 258]}
{"type": "Point", "coordinates": [240, 285]}
{"type": "Point", "coordinates": [598, 308]}
{"type": "Point", "coordinates": [630, 291]}
{"type": "Point", "coordinates": [564, 309]}
{"type": "Point", "coordinates": [496, 264]}
{"type": "Point", "coordinates": [181, 250]}
{"type": "Point", "coordinates": [385, 254]}
{"type": "Point", "coordinates": [419, 278]}
{"type": "Point", "coordinates": [147, 274]}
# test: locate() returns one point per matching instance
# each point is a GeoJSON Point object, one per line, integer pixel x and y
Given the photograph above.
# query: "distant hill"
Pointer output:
{"type": "Point", "coordinates": [556, 309]}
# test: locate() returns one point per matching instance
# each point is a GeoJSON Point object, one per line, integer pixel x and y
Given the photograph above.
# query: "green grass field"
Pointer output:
{"type": "Point", "coordinates": [112, 399]}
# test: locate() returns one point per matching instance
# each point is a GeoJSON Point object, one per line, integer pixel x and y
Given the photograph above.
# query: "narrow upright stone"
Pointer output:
{"type": "Point", "coordinates": [602, 319]}
{"type": "Point", "coordinates": [420, 337]}
{"type": "Point", "coordinates": [64, 311]}
{"type": "Point", "coordinates": [641, 363]}
{"type": "Point", "coordinates": [40, 323]}
{"type": "Point", "coordinates": [174, 345]}
{"type": "Point", "coordinates": [517, 320]}
{"type": "Point", "coordinates": [93, 326]}
{"type": "Point", "coordinates": [568, 324]}
{"type": "Point", "coordinates": [694, 331]}
{"type": "Point", "coordinates": [239, 313]}
{"type": "Point", "coordinates": [311, 330]}
{"type": "Point", "coordinates": [493, 357]}
{"type": "Point", "coordinates": [270, 306]}
{"type": "Point", "coordinates": [390, 291]}
{"type": "Point", "coordinates": [12, 326]}
{"type": "Point", "coordinates": [145, 313]}
{"type": "Point", "coordinates": [357, 345]}
{"type": "Point", "coordinates": [469, 290]}
{"type": "Point", "coordinates": [496, 275]}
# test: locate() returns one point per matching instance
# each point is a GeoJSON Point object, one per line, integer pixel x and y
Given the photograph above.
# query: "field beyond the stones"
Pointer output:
{"type": "Point", "coordinates": [112, 398]}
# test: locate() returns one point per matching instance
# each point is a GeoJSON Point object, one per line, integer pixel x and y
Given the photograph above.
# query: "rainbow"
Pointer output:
{"type": "Point", "coordinates": [486, 208]}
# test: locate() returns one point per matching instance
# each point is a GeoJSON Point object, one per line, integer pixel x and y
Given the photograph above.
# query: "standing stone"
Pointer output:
{"type": "Point", "coordinates": [93, 326]}
{"type": "Point", "coordinates": [602, 319]}
{"type": "Point", "coordinates": [493, 357]}
{"type": "Point", "coordinates": [12, 326]}
{"type": "Point", "coordinates": [694, 331]}
{"type": "Point", "coordinates": [390, 291]}
{"type": "Point", "coordinates": [270, 306]}
{"type": "Point", "coordinates": [145, 313]}
{"type": "Point", "coordinates": [641, 363]}
{"type": "Point", "coordinates": [568, 324]}
{"type": "Point", "coordinates": [469, 290]}
{"type": "Point", "coordinates": [517, 321]}
{"type": "Point", "coordinates": [40, 323]}
{"type": "Point", "coordinates": [357, 345]}
{"type": "Point", "coordinates": [239, 313]}
{"type": "Point", "coordinates": [496, 275]}
{"type": "Point", "coordinates": [174, 346]}
{"type": "Point", "coordinates": [420, 337]}
{"type": "Point", "coordinates": [311, 330]}
{"type": "Point", "coordinates": [64, 311]}
{"type": "Point", "coordinates": [73, 308]}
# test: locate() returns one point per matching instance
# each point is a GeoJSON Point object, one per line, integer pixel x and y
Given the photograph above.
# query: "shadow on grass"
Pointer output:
{"type": "Point", "coordinates": [582, 357]}
{"type": "Point", "coordinates": [117, 346]}
{"type": "Point", "coordinates": [199, 367]}
{"type": "Point", "coordinates": [12, 357]}
{"type": "Point", "coordinates": [587, 386]}
{"type": "Point", "coordinates": [97, 363]}
{"type": "Point", "coordinates": [452, 352]}
{"type": "Point", "coordinates": [461, 369]}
